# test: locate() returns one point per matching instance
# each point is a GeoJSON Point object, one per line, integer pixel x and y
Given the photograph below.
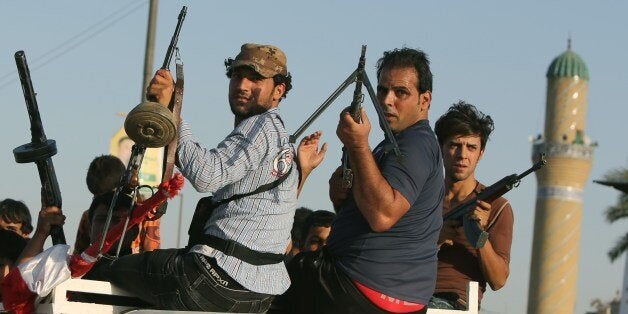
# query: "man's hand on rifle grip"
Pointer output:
{"type": "Point", "coordinates": [481, 213]}
{"type": "Point", "coordinates": [48, 217]}
{"type": "Point", "coordinates": [161, 87]}
{"type": "Point", "coordinates": [354, 135]}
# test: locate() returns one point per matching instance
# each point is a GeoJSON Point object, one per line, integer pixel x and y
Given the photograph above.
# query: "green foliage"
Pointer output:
{"type": "Point", "coordinates": [618, 211]}
{"type": "Point", "coordinates": [619, 174]}
{"type": "Point", "coordinates": [619, 248]}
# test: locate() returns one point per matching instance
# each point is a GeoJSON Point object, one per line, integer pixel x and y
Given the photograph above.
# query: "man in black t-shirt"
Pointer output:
{"type": "Point", "coordinates": [382, 251]}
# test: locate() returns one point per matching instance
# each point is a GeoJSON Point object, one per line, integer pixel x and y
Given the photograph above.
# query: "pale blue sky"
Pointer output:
{"type": "Point", "coordinates": [86, 67]}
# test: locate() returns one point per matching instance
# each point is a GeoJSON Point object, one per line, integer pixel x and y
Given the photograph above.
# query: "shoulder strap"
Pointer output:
{"type": "Point", "coordinates": [499, 211]}
{"type": "Point", "coordinates": [175, 107]}
{"type": "Point", "coordinates": [260, 189]}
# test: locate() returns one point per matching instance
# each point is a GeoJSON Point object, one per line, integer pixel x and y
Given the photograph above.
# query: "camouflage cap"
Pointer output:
{"type": "Point", "coordinates": [267, 60]}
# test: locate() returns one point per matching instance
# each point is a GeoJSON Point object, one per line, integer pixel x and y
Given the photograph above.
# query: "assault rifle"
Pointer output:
{"type": "Point", "coordinates": [354, 110]}
{"type": "Point", "coordinates": [472, 229]}
{"type": "Point", "coordinates": [149, 124]}
{"type": "Point", "coordinates": [40, 149]}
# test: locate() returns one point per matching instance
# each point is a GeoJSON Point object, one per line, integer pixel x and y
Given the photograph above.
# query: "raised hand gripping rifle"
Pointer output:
{"type": "Point", "coordinates": [40, 149]}
{"type": "Point", "coordinates": [354, 111]}
{"type": "Point", "coordinates": [472, 229]}
{"type": "Point", "coordinates": [360, 77]}
{"type": "Point", "coordinates": [150, 124]}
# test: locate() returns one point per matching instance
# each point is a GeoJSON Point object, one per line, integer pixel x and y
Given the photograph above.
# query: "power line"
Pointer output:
{"type": "Point", "coordinates": [83, 37]}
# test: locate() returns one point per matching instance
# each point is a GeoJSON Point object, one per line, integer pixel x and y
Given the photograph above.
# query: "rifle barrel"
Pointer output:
{"type": "Point", "coordinates": [538, 165]}
{"type": "Point", "coordinates": [174, 39]}
{"type": "Point", "coordinates": [37, 128]}
{"type": "Point", "coordinates": [323, 106]}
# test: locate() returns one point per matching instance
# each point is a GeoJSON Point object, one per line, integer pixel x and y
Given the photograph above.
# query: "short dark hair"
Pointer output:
{"type": "Point", "coordinates": [285, 79]}
{"type": "Point", "coordinates": [463, 119]}
{"type": "Point", "coordinates": [408, 58]}
{"type": "Point", "coordinates": [104, 174]}
{"type": "Point", "coordinates": [124, 200]}
{"type": "Point", "coordinates": [319, 218]}
{"type": "Point", "coordinates": [278, 78]}
{"type": "Point", "coordinates": [12, 245]}
{"type": "Point", "coordinates": [13, 211]}
{"type": "Point", "coordinates": [300, 214]}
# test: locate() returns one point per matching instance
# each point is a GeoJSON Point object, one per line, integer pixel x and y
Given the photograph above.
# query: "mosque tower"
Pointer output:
{"type": "Point", "coordinates": [560, 192]}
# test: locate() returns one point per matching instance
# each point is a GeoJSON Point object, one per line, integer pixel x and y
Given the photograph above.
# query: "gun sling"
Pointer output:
{"type": "Point", "coordinates": [203, 212]}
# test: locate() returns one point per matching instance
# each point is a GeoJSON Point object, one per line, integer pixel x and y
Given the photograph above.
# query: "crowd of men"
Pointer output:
{"type": "Point", "coordinates": [385, 247]}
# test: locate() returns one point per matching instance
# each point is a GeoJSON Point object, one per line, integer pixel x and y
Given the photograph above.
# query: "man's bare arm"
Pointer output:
{"type": "Point", "coordinates": [494, 267]}
{"type": "Point", "coordinates": [380, 204]}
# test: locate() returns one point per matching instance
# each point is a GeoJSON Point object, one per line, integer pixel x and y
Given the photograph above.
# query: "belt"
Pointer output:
{"type": "Point", "coordinates": [241, 252]}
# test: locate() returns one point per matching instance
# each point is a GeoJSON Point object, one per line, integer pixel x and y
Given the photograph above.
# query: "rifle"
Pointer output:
{"type": "Point", "coordinates": [354, 110]}
{"type": "Point", "coordinates": [40, 149]}
{"type": "Point", "coordinates": [474, 233]}
{"type": "Point", "coordinates": [128, 185]}
{"type": "Point", "coordinates": [170, 150]}
{"type": "Point", "coordinates": [175, 106]}
{"type": "Point", "coordinates": [149, 124]}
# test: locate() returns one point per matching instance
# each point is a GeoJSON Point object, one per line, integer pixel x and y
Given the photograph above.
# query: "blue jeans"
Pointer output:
{"type": "Point", "coordinates": [439, 303]}
{"type": "Point", "coordinates": [173, 279]}
{"type": "Point", "coordinates": [445, 303]}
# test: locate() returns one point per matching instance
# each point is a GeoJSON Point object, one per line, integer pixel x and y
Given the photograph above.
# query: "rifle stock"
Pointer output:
{"type": "Point", "coordinates": [473, 231]}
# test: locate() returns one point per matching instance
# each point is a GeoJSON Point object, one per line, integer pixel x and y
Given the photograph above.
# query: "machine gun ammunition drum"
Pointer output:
{"type": "Point", "coordinates": [32, 152]}
{"type": "Point", "coordinates": [150, 124]}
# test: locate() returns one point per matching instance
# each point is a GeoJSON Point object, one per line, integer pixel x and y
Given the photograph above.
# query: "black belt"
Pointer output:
{"type": "Point", "coordinates": [241, 252]}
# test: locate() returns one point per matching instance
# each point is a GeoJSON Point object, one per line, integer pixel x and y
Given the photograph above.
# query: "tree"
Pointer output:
{"type": "Point", "coordinates": [619, 210]}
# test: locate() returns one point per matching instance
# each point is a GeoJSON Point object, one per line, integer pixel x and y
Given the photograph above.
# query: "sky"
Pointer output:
{"type": "Point", "coordinates": [86, 60]}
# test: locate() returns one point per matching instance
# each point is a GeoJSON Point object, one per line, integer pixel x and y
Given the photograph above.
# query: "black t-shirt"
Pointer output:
{"type": "Point", "coordinates": [400, 262]}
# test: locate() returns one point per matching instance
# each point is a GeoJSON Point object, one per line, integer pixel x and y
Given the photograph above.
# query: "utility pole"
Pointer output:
{"type": "Point", "coordinates": [150, 47]}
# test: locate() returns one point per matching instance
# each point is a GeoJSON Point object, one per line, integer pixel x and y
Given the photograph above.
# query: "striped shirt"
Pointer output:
{"type": "Point", "coordinates": [256, 152]}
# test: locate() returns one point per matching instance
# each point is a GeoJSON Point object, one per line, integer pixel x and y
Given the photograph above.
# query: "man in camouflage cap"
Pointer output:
{"type": "Point", "coordinates": [265, 67]}
{"type": "Point", "coordinates": [234, 260]}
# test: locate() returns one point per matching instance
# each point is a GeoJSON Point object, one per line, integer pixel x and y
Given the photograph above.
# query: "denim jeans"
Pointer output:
{"type": "Point", "coordinates": [173, 279]}
{"type": "Point", "coordinates": [439, 303]}
{"type": "Point", "coordinates": [447, 301]}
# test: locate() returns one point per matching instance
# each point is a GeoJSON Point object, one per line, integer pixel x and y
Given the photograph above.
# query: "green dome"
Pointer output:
{"type": "Point", "coordinates": [568, 64]}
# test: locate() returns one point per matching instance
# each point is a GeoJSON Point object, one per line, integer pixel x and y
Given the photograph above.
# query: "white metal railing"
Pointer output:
{"type": "Point", "coordinates": [57, 302]}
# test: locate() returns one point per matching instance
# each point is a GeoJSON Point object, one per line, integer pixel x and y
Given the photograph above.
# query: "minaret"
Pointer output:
{"type": "Point", "coordinates": [560, 192]}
